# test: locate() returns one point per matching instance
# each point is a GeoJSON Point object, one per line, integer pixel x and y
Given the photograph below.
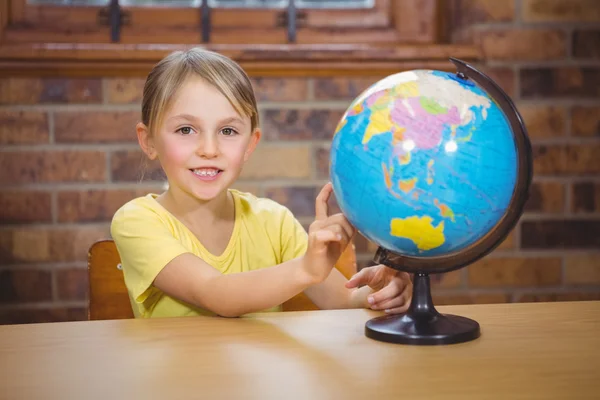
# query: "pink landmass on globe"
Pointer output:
{"type": "Point", "coordinates": [423, 128]}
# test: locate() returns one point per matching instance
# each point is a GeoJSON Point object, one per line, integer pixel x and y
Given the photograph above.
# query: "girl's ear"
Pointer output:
{"type": "Point", "coordinates": [254, 139]}
{"type": "Point", "coordinates": [145, 140]}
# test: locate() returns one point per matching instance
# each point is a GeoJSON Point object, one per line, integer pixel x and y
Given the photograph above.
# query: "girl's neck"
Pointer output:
{"type": "Point", "coordinates": [195, 213]}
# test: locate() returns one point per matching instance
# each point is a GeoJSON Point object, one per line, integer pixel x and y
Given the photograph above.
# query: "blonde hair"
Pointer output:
{"type": "Point", "coordinates": [170, 73]}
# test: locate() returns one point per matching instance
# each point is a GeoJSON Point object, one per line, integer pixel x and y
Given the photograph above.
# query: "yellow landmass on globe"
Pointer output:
{"type": "Point", "coordinates": [407, 89]}
{"type": "Point", "coordinates": [430, 172]}
{"type": "Point", "coordinates": [419, 230]}
{"type": "Point", "coordinates": [381, 122]}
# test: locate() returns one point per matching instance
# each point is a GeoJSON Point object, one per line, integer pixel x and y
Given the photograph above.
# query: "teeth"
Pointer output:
{"type": "Point", "coordinates": [206, 172]}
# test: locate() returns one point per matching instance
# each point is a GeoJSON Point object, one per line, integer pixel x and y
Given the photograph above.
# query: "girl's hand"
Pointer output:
{"type": "Point", "coordinates": [393, 289]}
{"type": "Point", "coordinates": [328, 237]}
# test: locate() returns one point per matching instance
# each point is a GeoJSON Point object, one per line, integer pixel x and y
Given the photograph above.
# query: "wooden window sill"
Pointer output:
{"type": "Point", "coordinates": [94, 59]}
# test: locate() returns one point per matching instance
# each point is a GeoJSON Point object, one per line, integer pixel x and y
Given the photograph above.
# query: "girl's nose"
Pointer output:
{"type": "Point", "coordinates": [208, 147]}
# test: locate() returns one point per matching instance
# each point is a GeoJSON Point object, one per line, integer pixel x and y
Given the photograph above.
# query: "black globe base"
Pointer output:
{"type": "Point", "coordinates": [422, 324]}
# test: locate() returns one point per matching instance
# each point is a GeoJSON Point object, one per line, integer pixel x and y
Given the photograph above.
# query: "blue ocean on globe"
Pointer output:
{"type": "Point", "coordinates": [424, 163]}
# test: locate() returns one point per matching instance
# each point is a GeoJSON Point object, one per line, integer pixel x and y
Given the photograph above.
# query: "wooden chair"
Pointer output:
{"type": "Point", "coordinates": [108, 297]}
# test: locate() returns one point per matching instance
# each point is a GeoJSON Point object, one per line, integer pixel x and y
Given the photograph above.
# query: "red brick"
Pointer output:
{"type": "Point", "coordinates": [586, 197]}
{"type": "Point", "coordinates": [96, 126]}
{"type": "Point", "coordinates": [300, 200]}
{"type": "Point", "coordinates": [322, 157]}
{"type": "Point", "coordinates": [586, 44]}
{"type": "Point", "coordinates": [125, 90]}
{"type": "Point", "coordinates": [577, 159]}
{"type": "Point", "coordinates": [515, 271]}
{"type": "Point", "coordinates": [583, 82]}
{"type": "Point", "coordinates": [504, 77]}
{"type": "Point", "coordinates": [466, 298]}
{"type": "Point", "coordinates": [49, 90]}
{"type": "Point", "coordinates": [134, 166]}
{"type": "Point", "coordinates": [450, 279]}
{"type": "Point", "coordinates": [523, 44]}
{"type": "Point", "coordinates": [30, 245]}
{"type": "Point", "coordinates": [465, 16]}
{"type": "Point", "coordinates": [93, 205]}
{"type": "Point", "coordinates": [277, 89]}
{"type": "Point", "coordinates": [560, 11]}
{"type": "Point", "coordinates": [72, 284]}
{"type": "Point", "coordinates": [509, 242]}
{"type": "Point", "coordinates": [560, 234]}
{"type": "Point", "coordinates": [276, 161]}
{"type": "Point", "coordinates": [52, 166]}
{"type": "Point", "coordinates": [23, 127]}
{"type": "Point", "coordinates": [469, 12]}
{"type": "Point", "coordinates": [342, 88]}
{"type": "Point", "coordinates": [301, 124]}
{"type": "Point", "coordinates": [582, 269]}
{"type": "Point", "coordinates": [24, 207]}
{"type": "Point", "coordinates": [41, 315]}
{"type": "Point", "coordinates": [585, 121]}
{"type": "Point", "coordinates": [544, 122]}
{"type": "Point", "coordinates": [25, 285]}
{"type": "Point", "coordinates": [546, 197]}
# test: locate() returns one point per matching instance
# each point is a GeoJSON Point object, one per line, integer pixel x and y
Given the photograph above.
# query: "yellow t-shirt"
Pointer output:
{"type": "Point", "coordinates": [148, 237]}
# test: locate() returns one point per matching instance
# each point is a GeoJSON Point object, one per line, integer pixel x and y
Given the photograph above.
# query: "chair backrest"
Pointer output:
{"type": "Point", "coordinates": [108, 297]}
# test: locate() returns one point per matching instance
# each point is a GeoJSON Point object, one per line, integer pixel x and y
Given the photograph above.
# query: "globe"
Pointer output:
{"type": "Point", "coordinates": [432, 166]}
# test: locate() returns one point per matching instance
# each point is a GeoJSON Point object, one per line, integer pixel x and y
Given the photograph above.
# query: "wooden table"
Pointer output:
{"type": "Point", "coordinates": [526, 351]}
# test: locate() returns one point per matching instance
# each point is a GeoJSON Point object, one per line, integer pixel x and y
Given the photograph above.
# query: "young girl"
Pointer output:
{"type": "Point", "coordinates": [203, 248]}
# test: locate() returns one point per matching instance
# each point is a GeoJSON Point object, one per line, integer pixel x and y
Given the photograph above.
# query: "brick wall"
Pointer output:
{"type": "Point", "coordinates": [69, 159]}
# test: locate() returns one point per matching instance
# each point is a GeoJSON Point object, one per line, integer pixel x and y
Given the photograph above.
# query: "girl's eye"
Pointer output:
{"type": "Point", "coordinates": [228, 131]}
{"type": "Point", "coordinates": [185, 130]}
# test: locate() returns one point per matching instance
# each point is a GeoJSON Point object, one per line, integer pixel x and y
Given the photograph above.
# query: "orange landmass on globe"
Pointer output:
{"type": "Point", "coordinates": [407, 185]}
{"type": "Point", "coordinates": [386, 176]}
{"type": "Point", "coordinates": [445, 211]}
{"type": "Point", "coordinates": [419, 230]}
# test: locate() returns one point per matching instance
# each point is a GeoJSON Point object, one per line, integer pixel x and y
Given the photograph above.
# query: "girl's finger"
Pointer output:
{"type": "Point", "coordinates": [397, 301]}
{"type": "Point", "coordinates": [321, 207]}
{"type": "Point", "coordinates": [341, 220]}
{"type": "Point", "coordinates": [362, 277]}
{"type": "Point", "coordinates": [389, 291]}
{"type": "Point", "coordinates": [325, 236]}
{"type": "Point", "coordinates": [398, 310]}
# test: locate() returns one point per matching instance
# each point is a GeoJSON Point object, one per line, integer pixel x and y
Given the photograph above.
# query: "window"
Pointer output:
{"type": "Point", "coordinates": [231, 21]}
{"type": "Point", "coordinates": [75, 37]}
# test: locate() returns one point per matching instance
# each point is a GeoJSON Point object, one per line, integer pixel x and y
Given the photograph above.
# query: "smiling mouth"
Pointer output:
{"type": "Point", "coordinates": [206, 173]}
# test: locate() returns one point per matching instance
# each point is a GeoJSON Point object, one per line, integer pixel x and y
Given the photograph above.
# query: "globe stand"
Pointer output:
{"type": "Point", "coordinates": [422, 324]}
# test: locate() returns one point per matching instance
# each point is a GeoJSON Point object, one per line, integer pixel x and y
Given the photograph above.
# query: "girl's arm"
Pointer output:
{"type": "Point", "coordinates": [194, 281]}
{"type": "Point", "coordinates": [190, 279]}
{"type": "Point", "coordinates": [332, 293]}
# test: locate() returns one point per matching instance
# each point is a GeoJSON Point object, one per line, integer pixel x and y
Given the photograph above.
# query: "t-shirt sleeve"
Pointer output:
{"type": "Point", "coordinates": [145, 245]}
{"type": "Point", "coordinates": [294, 239]}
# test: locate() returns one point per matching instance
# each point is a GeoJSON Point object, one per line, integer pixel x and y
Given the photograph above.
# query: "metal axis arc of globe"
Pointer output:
{"type": "Point", "coordinates": [422, 324]}
{"type": "Point", "coordinates": [520, 194]}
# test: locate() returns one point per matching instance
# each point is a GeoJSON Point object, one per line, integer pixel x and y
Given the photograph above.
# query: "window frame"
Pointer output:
{"type": "Point", "coordinates": [414, 40]}
{"type": "Point", "coordinates": [383, 24]}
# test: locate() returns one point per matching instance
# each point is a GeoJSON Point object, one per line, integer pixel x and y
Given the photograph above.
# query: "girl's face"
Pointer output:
{"type": "Point", "coordinates": [202, 142]}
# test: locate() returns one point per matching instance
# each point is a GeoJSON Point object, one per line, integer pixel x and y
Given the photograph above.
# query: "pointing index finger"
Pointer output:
{"type": "Point", "coordinates": [321, 207]}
